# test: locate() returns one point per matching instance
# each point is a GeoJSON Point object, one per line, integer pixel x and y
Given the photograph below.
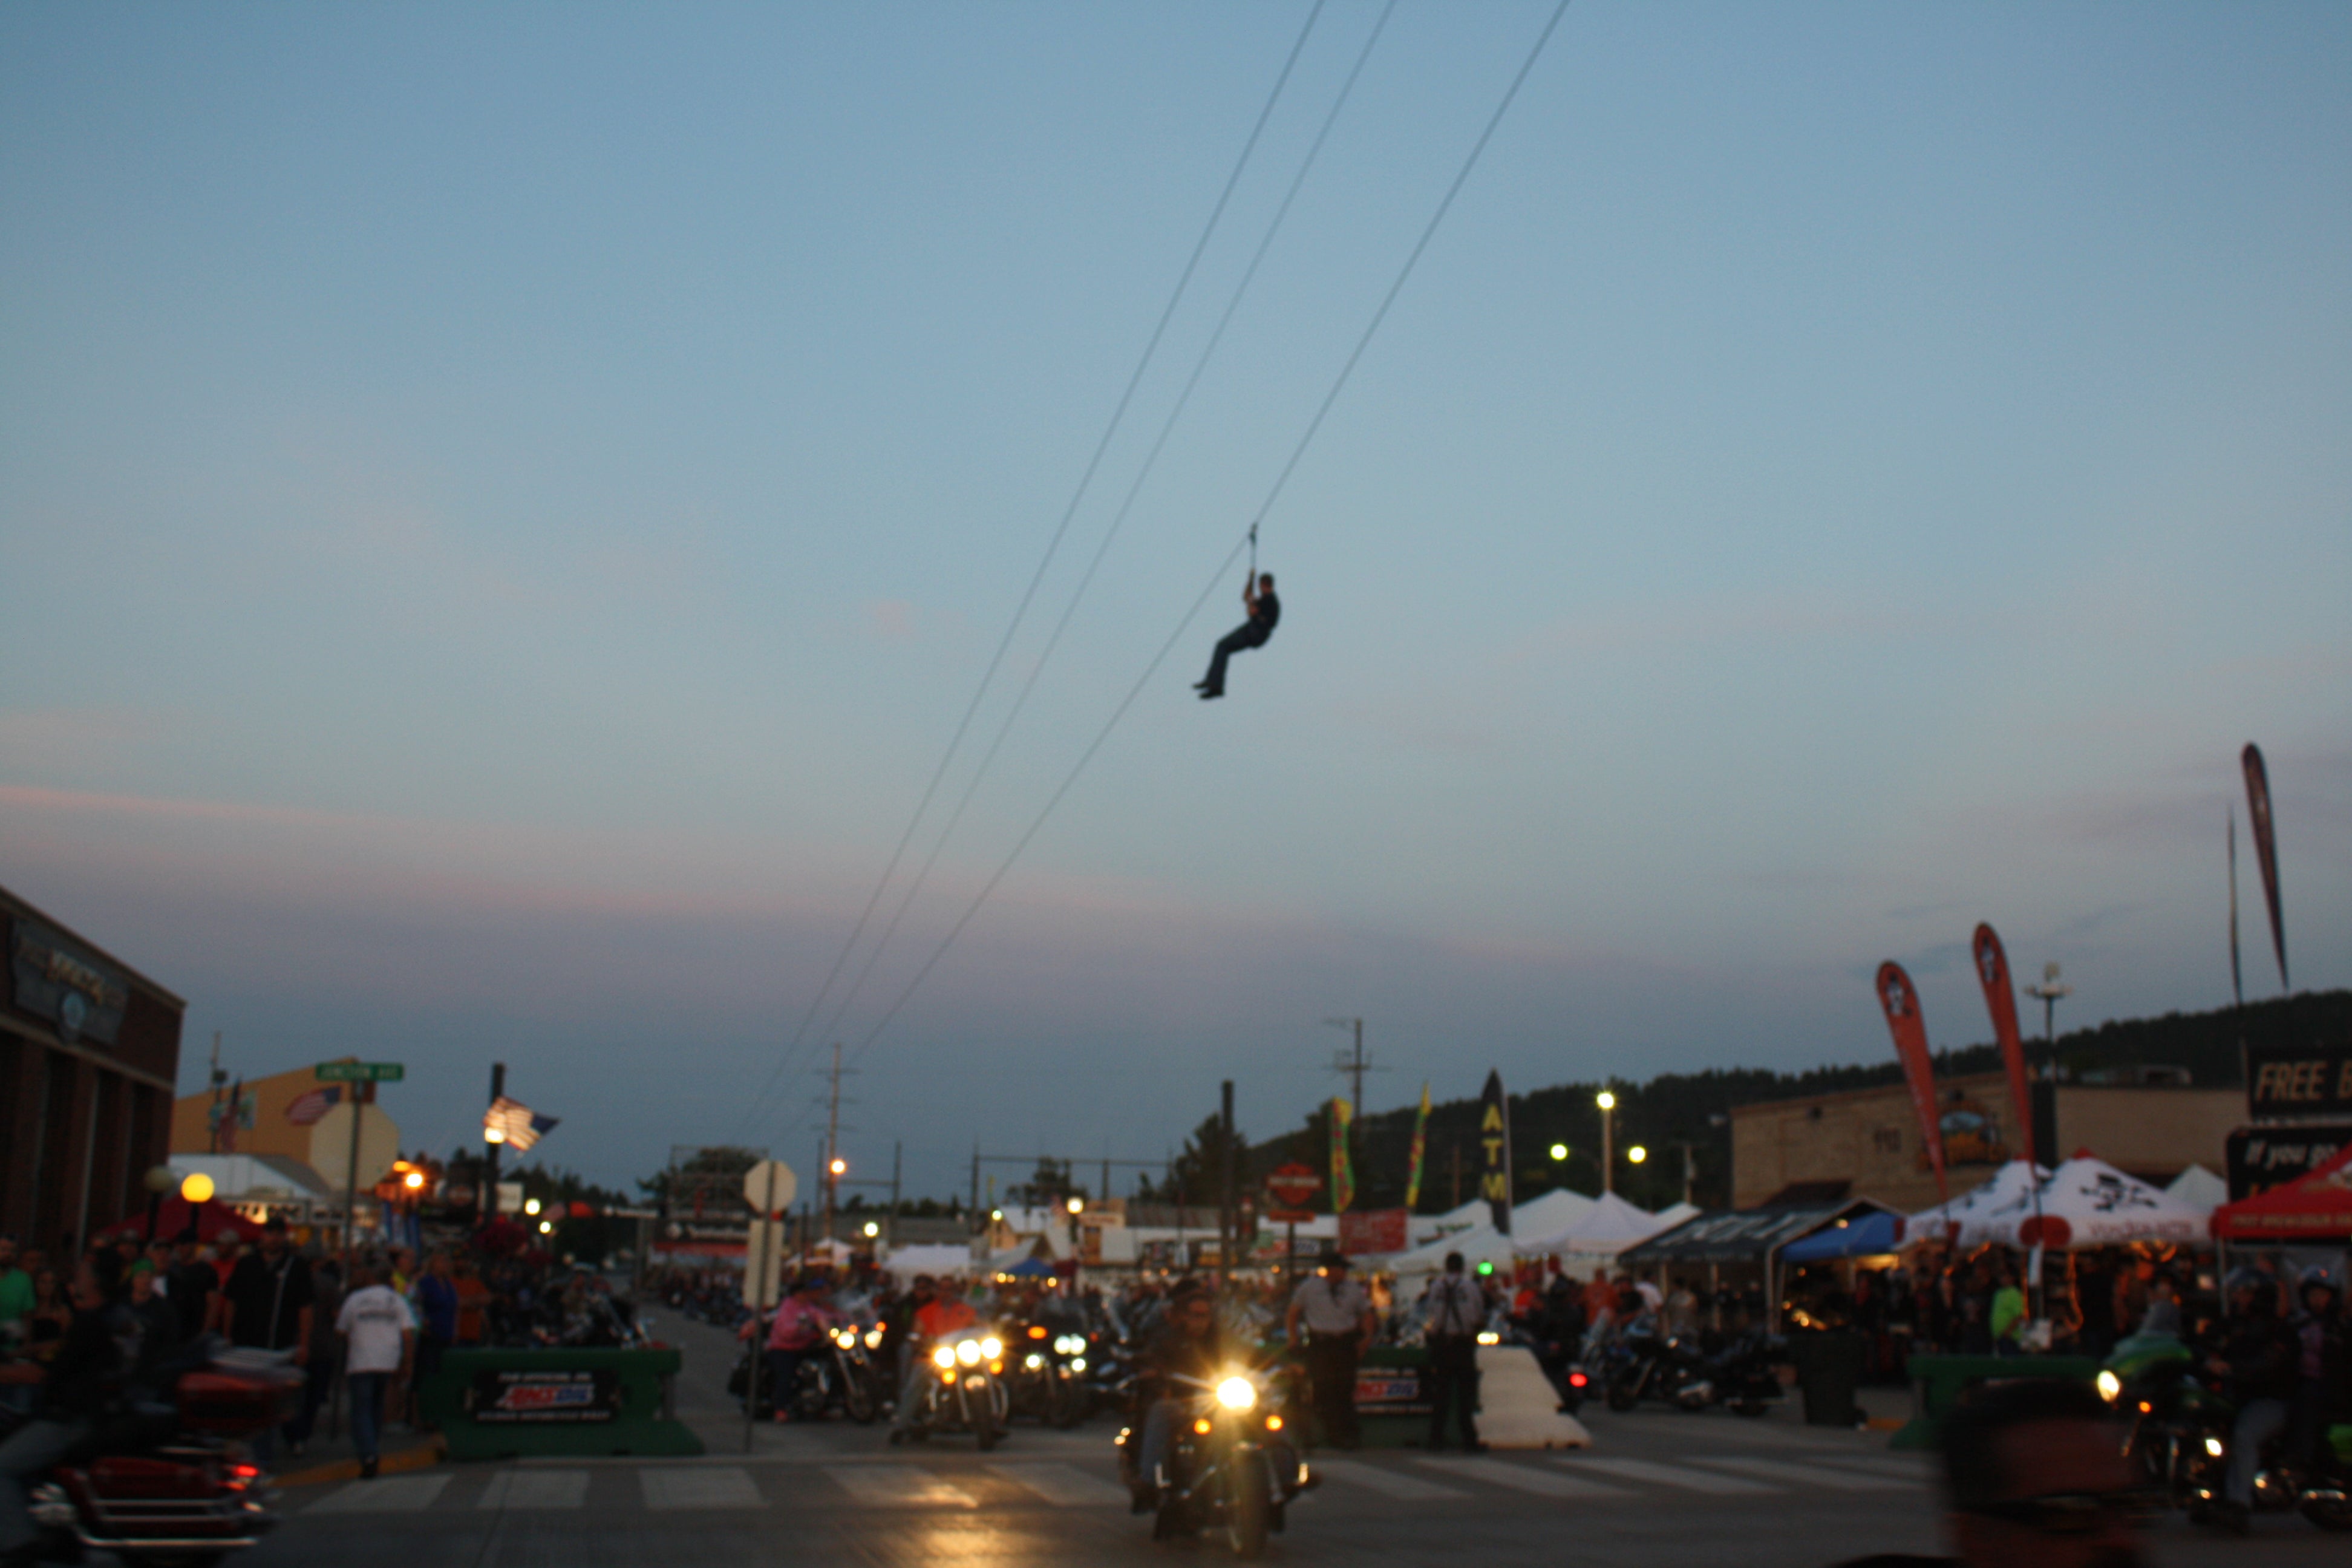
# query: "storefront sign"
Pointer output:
{"type": "Point", "coordinates": [1368, 1231]}
{"type": "Point", "coordinates": [508, 1397]}
{"type": "Point", "coordinates": [2299, 1080]}
{"type": "Point", "coordinates": [58, 979]}
{"type": "Point", "coordinates": [2261, 1158]}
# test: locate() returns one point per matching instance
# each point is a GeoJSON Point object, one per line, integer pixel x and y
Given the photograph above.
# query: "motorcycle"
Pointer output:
{"type": "Point", "coordinates": [169, 1486]}
{"type": "Point", "coordinates": [1745, 1374]}
{"type": "Point", "coordinates": [1230, 1467]}
{"type": "Point", "coordinates": [966, 1391]}
{"type": "Point", "coordinates": [1047, 1377]}
{"type": "Point", "coordinates": [1655, 1367]}
{"type": "Point", "coordinates": [2182, 1432]}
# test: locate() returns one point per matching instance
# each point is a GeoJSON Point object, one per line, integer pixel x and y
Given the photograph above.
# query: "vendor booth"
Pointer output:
{"type": "Point", "coordinates": [1975, 1217]}
{"type": "Point", "coordinates": [1744, 1240]}
{"type": "Point", "coordinates": [1870, 1236]}
{"type": "Point", "coordinates": [2313, 1210]}
{"type": "Point", "coordinates": [1593, 1239]}
{"type": "Point", "coordinates": [2084, 1203]}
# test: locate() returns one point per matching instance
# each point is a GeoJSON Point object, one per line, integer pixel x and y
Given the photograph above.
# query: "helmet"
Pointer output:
{"type": "Point", "coordinates": [2316, 1274]}
{"type": "Point", "coordinates": [2244, 1277]}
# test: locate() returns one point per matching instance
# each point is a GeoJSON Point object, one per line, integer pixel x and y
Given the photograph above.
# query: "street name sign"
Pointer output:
{"type": "Point", "coordinates": [360, 1073]}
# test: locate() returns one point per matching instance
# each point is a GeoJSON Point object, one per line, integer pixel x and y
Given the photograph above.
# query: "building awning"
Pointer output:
{"type": "Point", "coordinates": [1743, 1235]}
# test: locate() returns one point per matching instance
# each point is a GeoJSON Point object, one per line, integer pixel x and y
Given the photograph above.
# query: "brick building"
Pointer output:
{"type": "Point", "coordinates": [90, 1054]}
{"type": "Point", "coordinates": [1866, 1142]}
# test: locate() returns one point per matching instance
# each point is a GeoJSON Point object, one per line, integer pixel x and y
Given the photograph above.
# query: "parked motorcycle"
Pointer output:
{"type": "Point", "coordinates": [965, 1392]}
{"type": "Point", "coordinates": [169, 1485]}
{"type": "Point", "coordinates": [1231, 1467]}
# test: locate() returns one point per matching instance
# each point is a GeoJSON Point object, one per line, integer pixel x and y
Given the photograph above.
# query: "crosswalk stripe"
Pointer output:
{"type": "Point", "coordinates": [896, 1485]}
{"type": "Point", "coordinates": [725, 1486]}
{"type": "Point", "coordinates": [1522, 1478]}
{"type": "Point", "coordinates": [1920, 1470]}
{"type": "Point", "coordinates": [535, 1489]}
{"type": "Point", "coordinates": [1818, 1477]}
{"type": "Point", "coordinates": [1064, 1486]}
{"type": "Point", "coordinates": [1380, 1479]}
{"type": "Point", "coordinates": [396, 1494]}
{"type": "Point", "coordinates": [1668, 1476]}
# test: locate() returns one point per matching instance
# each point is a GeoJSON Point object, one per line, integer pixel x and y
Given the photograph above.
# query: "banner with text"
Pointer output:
{"type": "Point", "coordinates": [1495, 1152]}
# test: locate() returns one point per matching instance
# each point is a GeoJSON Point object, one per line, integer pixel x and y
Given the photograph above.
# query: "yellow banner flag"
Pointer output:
{"type": "Point", "coordinates": [1343, 1173]}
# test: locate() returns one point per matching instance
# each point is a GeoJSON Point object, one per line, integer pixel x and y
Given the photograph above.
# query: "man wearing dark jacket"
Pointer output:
{"type": "Point", "coordinates": [1187, 1344]}
{"type": "Point", "coordinates": [2257, 1359]}
{"type": "Point", "coordinates": [2323, 1365]}
{"type": "Point", "coordinates": [84, 1384]}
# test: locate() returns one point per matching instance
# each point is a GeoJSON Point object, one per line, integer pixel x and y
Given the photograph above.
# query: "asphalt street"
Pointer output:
{"type": "Point", "coordinates": [1656, 1487]}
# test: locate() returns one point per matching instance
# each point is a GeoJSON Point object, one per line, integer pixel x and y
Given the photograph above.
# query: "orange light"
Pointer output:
{"type": "Point", "coordinates": [1274, 1423]}
{"type": "Point", "coordinates": [948, 1378]}
{"type": "Point", "coordinates": [1036, 1330]}
{"type": "Point", "coordinates": [413, 1180]}
{"type": "Point", "coordinates": [996, 1369]}
{"type": "Point", "coordinates": [1202, 1426]}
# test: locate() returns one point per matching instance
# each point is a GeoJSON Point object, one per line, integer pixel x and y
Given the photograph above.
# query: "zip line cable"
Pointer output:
{"type": "Point", "coordinates": [1054, 544]}
{"type": "Point", "coordinates": [1248, 541]}
{"type": "Point", "coordinates": [1119, 520]}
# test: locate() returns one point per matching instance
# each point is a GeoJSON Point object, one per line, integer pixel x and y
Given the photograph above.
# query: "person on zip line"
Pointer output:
{"type": "Point", "coordinates": [1264, 610]}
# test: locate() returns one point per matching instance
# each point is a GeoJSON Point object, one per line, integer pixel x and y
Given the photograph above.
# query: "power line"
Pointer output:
{"type": "Point", "coordinates": [1085, 479]}
{"type": "Point", "coordinates": [1281, 480]}
{"type": "Point", "coordinates": [1118, 520]}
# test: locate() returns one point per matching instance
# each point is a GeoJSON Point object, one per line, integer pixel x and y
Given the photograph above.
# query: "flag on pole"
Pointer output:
{"type": "Point", "coordinates": [308, 1109]}
{"type": "Point", "coordinates": [1343, 1172]}
{"type": "Point", "coordinates": [1419, 1148]}
{"type": "Point", "coordinates": [2237, 975]}
{"type": "Point", "coordinates": [514, 1124]}
{"type": "Point", "coordinates": [2000, 1001]}
{"type": "Point", "coordinates": [2258, 816]}
{"type": "Point", "coordinates": [1909, 1027]}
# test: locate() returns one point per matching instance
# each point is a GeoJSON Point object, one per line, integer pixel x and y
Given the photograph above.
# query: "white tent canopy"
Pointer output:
{"type": "Point", "coordinates": [2104, 1207]}
{"type": "Point", "coordinates": [1546, 1215]}
{"type": "Point", "coordinates": [903, 1263]}
{"type": "Point", "coordinates": [1979, 1213]}
{"type": "Point", "coordinates": [1480, 1244]}
{"type": "Point", "coordinates": [1608, 1227]}
{"type": "Point", "coordinates": [1422, 1228]}
{"type": "Point", "coordinates": [2199, 1188]}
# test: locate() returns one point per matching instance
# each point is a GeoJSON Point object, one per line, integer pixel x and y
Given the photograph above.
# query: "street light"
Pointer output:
{"type": "Point", "coordinates": [1075, 1203]}
{"type": "Point", "coordinates": [1607, 1101]}
{"type": "Point", "coordinates": [839, 1167]}
{"type": "Point", "coordinates": [530, 1205]}
{"type": "Point", "coordinates": [2049, 993]}
{"type": "Point", "coordinates": [872, 1230]}
{"type": "Point", "coordinates": [197, 1188]}
{"type": "Point", "coordinates": [1637, 1154]}
{"type": "Point", "coordinates": [1560, 1151]}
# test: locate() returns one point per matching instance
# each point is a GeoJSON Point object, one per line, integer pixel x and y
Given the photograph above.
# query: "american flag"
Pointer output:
{"type": "Point", "coordinates": [514, 1124]}
{"type": "Point", "coordinates": [309, 1108]}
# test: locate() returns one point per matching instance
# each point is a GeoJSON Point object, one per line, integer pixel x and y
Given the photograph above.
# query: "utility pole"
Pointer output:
{"type": "Point", "coordinates": [220, 1077]}
{"type": "Point", "coordinates": [1352, 1065]}
{"type": "Point", "coordinates": [898, 1153]}
{"type": "Point", "coordinates": [833, 1164]}
{"type": "Point", "coordinates": [976, 1216]}
{"type": "Point", "coordinates": [1225, 1211]}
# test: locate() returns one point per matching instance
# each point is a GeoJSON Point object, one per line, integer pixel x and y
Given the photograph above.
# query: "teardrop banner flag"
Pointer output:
{"type": "Point", "coordinates": [2258, 811]}
{"type": "Point", "coordinates": [1495, 1152]}
{"type": "Point", "coordinates": [1909, 1027]}
{"type": "Point", "coordinates": [1343, 1174]}
{"type": "Point", "coordinates": [2000, 1001]}
{"type": "Point", "coordinates": [1419, 1148]}
{"type": "Point", "coordinates": [2237, 976]}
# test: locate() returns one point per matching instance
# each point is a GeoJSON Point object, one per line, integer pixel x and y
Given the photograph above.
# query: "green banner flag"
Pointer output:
{"type": "Point", "coordinates": [1343, 1174]}
{"type": "Point", "coordinates": [1420, 1149]}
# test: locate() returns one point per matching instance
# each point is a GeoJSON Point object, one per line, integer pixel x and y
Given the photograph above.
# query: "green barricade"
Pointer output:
{"type": "Point", "coordinates": [1938, 1383]}
{"type": "Point", "coordinates": [495, 1405]}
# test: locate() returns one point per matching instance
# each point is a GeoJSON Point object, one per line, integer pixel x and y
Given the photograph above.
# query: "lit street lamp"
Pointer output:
{"type": "Point", "coordinates": [1637, 1154]}
{"type": "Point", "coordinates": [1560, 1152]}
{"type": "Point", "coordinates": [2049, 993]}
{"type": "Point", "coordinates": [1607, 1101]}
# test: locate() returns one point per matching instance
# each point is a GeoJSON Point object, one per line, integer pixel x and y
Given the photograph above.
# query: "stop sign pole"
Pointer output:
{"type": "Point", "coordinates": [1291, 1188]}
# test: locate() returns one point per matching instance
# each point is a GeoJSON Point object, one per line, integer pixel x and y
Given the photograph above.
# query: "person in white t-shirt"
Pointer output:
{"type": "Point", "coordinates": [379, 1335]}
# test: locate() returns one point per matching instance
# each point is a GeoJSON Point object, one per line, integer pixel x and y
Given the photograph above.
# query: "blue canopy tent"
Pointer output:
{"type": "Point", "coordinates": [1031, 1268]}
{"type": "Point", "coordinates": [1858, 1236]}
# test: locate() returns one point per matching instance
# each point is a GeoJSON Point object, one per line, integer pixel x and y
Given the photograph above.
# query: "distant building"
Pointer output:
{"type": "Point", "coordinates": [1866, 1142]}
{"type": "Point", "coordinates": [291, 1116]}
{"type": "Point", "coordinates": [89, 1051]}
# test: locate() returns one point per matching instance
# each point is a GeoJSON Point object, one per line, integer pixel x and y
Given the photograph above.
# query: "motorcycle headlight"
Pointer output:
{"type": "Point", "coordinates": [968, 1353]}
{"type": "Point", "coordinates": [992, 1347]}
{"type": "Point", "coordinates": [873, 1339]}
{"type": "Point", "coordinates": [943, 1356]}
{"type": "Point", "coordinates": [1032, 1360]}
{"type": "Point", "coordinates": [1489, 1337]}
{"type": "Point", "coordinates": [2111, 1387]}
{"type": "Point", "coordinates": [1237, 1393]}
{"type": "Point", "coordinates": [1077, 1363]}
{"type": "Point", "coordinates": [2213, 1446]}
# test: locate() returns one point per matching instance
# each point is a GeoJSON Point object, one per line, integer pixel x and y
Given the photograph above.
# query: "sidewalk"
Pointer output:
{"type": "Point", "coordinates": [330, 1457]}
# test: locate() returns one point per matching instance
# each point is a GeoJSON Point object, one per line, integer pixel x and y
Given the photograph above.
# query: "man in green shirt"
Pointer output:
{"type": "Point", "coordinates": [2007, 1318]}
{"type": "Point", "coordinates": [15, 1285]}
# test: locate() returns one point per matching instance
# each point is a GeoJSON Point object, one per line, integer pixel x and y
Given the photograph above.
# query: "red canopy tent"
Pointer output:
{"type": "Point", "coordinates": [212, 1220]}
{"type": "Point", "coordinates": [2313, 1207]}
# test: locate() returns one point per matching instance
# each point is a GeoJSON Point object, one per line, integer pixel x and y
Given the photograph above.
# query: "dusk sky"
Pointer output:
{"type": "Point", "coordinates": [501, 509]}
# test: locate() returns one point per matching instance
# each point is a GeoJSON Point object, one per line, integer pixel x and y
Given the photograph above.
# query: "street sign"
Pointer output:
{"type": "Point", "coordinates": [1292, 1188]}
{"type": "Point", "coordinates": [360, 1073]}
{"type": "Point", "coordinates": [769, 1186]}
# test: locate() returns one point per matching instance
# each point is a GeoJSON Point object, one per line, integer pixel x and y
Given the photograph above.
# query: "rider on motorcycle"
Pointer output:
{"type": "Point", "coordinates": [936, 1316]}
{"type": "Point", "coordinates": [2322, 1367]}
{"type": "Point", "coordinates": [86, 1382]}
{"type": "Point", "coordinates": [2257, 1363]}
{"type": "Point", "coordinates": [798, 1328]}
{"type": "Point", "coordinates": [1187, 1344]}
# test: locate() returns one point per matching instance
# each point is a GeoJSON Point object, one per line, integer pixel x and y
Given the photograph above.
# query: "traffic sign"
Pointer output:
{"type": "Point", "coordinates": [360, 1073]}
{"type": "Point", "coordinates": [769, 1186]}
{"type": "Point", "coordinates": [1293, 1186]}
